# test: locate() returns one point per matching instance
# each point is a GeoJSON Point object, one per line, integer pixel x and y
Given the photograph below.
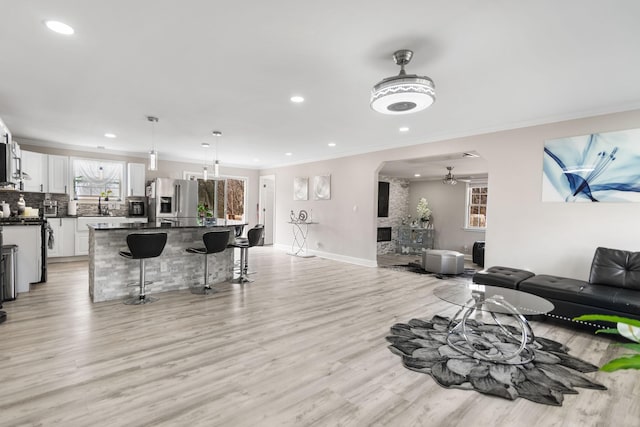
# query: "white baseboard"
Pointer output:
{"type": "Point", "coordinates": [332, 256]}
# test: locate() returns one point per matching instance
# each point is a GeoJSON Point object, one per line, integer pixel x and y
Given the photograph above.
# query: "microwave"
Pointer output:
{"type": "Point", "coordinates": [137, 206]}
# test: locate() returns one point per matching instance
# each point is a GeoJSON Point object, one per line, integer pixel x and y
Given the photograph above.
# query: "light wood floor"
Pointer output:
{"type": "Point", "coordinates": [302, 345]}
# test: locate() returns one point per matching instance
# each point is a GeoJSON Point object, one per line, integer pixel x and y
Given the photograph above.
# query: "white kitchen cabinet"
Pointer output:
{"type": "Point", "coordinates": [64, 234]}
{"type": "Point", "coordinates": [27, 237]}
{"type": "Point", "coordinates": [58, 173]}
{"type": "Point", "coordinates": [35, 165]}
{"type": "Point", "coordinates": [82, 232]}
{"type": "Point", "coordinates": [136, 179]}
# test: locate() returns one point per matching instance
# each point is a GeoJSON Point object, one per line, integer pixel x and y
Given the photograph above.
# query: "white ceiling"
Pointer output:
{"type": "Point", "coordinates": [201, 65]}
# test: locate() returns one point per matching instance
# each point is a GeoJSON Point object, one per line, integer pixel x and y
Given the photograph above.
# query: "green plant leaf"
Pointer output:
{"type": "Point", "coordinates": [613, 331]}
{"type": "Point", "coordinates": [608, 318]}
{"type": "Point", "coordinates": [631, 346]}
{"type": "Point", "coordinates": [631, 362]}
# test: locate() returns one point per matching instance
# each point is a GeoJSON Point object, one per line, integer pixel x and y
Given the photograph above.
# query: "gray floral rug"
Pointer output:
{"type": "Point", "coordinates": [422, 345]}
{"type": "Point", "coordinates": [416, 268]}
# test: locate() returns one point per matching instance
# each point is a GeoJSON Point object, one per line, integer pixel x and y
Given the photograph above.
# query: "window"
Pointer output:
{"type": "Point", "coordinates": [93, 178]}
{"type": "Point", "coordinates": [476, 215]}
{"type": "Point", "coordinates": [221, 197]}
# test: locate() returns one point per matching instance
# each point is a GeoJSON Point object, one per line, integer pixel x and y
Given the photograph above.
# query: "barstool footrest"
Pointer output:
{"type": "Point", "coordinates": [203, 290]}
{"type": "Point", "coordinates": [139, 300]}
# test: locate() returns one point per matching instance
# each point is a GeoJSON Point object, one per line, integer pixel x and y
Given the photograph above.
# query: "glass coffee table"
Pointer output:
{"type": "Point", "coordinates": [468, 336]}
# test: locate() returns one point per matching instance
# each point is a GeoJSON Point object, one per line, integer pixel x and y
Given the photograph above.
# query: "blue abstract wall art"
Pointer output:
{"type": "Point", "coordinates": [601, 167]}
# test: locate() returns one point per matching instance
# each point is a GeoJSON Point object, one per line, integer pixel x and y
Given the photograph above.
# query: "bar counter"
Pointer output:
{"type": "Point", "coordinates": [111, 275]}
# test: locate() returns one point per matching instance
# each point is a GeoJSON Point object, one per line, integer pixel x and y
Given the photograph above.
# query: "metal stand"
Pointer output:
{"type": "Point", "coordinates": [474, 342]}
{"type": "Point", "coordinates": [206, 290]}
{"type": "Point", "coordinates": [299, 244]}
{"type": "Point", "coordinates": [142, 298]}
{"type": "Point", "coordinates": [244, 256]}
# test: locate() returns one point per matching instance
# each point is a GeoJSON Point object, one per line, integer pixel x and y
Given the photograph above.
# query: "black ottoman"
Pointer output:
{"type": "Point", "coordinates": [505, 277]}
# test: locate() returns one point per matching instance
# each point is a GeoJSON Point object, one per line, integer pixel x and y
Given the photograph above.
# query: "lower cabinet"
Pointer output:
{"type": "Point", "coordinates": [64, 231]}
{"type": "Point", "coordinates": [82, 232]}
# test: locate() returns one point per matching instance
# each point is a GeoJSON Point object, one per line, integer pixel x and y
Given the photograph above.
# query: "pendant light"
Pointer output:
{"type": "Point", "coordinates": [216, 165]}
{"type": "Point", "coordinates": [153, 154]}
{"type": "Point", "coordinates": [205, 171]}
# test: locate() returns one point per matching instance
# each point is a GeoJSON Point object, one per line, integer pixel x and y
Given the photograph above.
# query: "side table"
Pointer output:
{"type": "Point", "coordinates": [300, 233]}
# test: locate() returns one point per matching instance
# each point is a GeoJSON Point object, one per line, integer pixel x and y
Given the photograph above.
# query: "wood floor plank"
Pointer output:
{"type": "Point", "coordinates": [302, 345]}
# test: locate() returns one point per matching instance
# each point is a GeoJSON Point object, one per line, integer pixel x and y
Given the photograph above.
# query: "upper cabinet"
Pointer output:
{"type": "Point", "coordinates": [34, 166]}
{"type": "Point", "coordinates": [136, 179]}
{"type": "Point", "coordinates": [58, 172]}
{"type": "Point", "coordinates": [45, 173]}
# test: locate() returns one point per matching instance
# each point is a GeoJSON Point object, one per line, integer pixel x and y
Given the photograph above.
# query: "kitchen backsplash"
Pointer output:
{"type": "Point", "coordinates": [35, 200]}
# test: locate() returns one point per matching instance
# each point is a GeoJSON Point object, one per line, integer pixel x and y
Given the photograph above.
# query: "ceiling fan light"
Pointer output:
{"type": "Point", "coordinates": [404, 93]}
{"type": "Point", "coordinates": [449, 178]}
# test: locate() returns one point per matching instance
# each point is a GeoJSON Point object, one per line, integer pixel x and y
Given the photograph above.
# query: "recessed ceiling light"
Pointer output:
{"type": "Point", "coordinates": [288, 154]}
{"type": "Point", "coordinates": [59, 27]}
{"type": "Point", "coordinates": [297, 99]}
{"type": "Point", "coordinates": [417, 175]}
{"type": "Point", "coordinates": [404, 129]}
{"type": "Point", "coordinates": [331, 144]}
{"type": "Point", "coordinates": [256, 160]}
{"type": "Point", "coordinates": [110, 135]}
{"type": "Point", "coordinates": [205, 145]}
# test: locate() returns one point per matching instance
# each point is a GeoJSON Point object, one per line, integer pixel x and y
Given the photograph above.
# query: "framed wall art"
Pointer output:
{"type": "Point", "coordinates": [300, 188]}
{"type": "Point", "coordinates": [600, 167]}
{"type": "Point", "coordinates": [322, 187]}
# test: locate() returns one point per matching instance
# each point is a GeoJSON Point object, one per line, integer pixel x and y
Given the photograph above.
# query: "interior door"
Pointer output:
{"type": "Point", "coordinates": [267, 207]}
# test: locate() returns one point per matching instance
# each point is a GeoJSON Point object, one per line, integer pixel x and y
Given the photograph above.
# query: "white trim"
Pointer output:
{"type": "Point", "coordinates": [335, 257]}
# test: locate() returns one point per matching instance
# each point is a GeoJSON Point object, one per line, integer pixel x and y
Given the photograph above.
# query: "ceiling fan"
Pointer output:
{"type": "Point", "coordinates": [451, 179]}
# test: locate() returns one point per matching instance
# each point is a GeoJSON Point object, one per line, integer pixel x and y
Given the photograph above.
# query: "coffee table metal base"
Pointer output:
{"type": "Point", "coordinates": [474, 341]}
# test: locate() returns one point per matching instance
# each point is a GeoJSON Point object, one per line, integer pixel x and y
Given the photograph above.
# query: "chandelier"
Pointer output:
{"type": "Point", "coordinates": [404, 93]}
{"type": "Point", "coordinates": [449, 178]}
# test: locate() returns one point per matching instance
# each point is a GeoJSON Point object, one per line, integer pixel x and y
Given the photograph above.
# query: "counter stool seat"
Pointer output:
{"type": "Point", "coordinates": [143, 246]}
{"type": "Point", "coordinates": [214, 242]}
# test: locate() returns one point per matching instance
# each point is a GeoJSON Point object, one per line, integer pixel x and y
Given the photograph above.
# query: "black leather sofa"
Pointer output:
{"type": "Point", "coordinates": [613, 287]}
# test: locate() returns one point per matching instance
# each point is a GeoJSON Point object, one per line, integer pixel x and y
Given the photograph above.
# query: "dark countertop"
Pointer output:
{"type": "Point", "coordinates": [166, 223]}
{"type": "Point", "coordinates": [17, 220]}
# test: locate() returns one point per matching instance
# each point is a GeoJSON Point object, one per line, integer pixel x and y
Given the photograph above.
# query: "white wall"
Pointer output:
{"type": "Point", "coordinates": [550, 238]}
{"type": "Point", "coordinates": [448, 204]}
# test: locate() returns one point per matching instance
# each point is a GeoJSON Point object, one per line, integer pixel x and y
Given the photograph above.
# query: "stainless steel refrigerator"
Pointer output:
{"type": "Point", "coordinates": [173, 199]}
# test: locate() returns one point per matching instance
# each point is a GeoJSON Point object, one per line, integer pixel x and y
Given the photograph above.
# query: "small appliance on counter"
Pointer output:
{"type": "Point", "coordinates": [137, 206]}
{"type": "Point", "coordinates": [50, 208]}
{"type": "Point", "coordinates": [72, 208]}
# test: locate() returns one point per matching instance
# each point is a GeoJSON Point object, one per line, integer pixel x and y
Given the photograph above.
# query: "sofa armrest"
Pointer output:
{"type": "Point", "coordinates": [615, 267]}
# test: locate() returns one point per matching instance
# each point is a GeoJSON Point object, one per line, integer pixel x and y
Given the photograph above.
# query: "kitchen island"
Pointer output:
{"type": "Point", "coordinates": [110, 274]}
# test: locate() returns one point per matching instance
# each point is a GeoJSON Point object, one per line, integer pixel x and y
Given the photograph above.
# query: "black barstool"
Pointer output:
{"type": "Point", "coordinates": [253, 238]}
{"type": "Point", "coordinates": [214, 242]}
{"type": "Point", "coordinates": [143, 246]}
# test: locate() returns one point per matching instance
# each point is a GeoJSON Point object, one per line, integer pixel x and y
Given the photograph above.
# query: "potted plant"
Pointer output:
{"type": "Point", "coordinates": [628, 328]}
{"type": "Point", "coordinates": [424, 212]}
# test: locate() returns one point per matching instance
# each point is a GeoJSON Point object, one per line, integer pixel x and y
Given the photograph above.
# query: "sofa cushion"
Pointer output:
{"type": "Point", "coordinates": [555, 287]}
{"type": "Point", "coordinates": [582, 293]}
{"type": "Point", "coordinates": [615, 267]}
{"type": "Point", "coordinates": [505, 277]}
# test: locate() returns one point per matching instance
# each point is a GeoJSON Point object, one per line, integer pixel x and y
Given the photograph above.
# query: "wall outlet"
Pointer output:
{"type": "Point", "coordinates": [466, 249]}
